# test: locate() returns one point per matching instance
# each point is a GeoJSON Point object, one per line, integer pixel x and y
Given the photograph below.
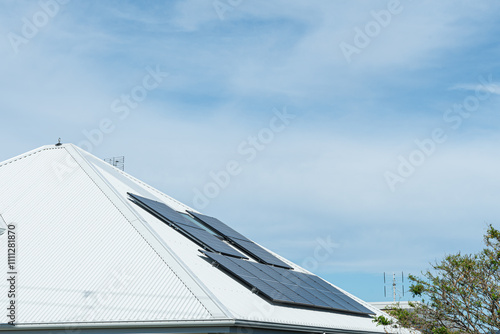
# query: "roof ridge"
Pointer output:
{"type": "Point", "coordinates": [30, 153]}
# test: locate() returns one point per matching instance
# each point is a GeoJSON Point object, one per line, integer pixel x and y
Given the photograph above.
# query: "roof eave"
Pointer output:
{"type": "Point", "coordinates": [201, 326]}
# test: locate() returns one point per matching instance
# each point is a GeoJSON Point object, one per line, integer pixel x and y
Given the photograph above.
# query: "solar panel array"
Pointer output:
{"type": "Point", "coordinates": [271, 278]}
{"type": "Point", "coordinates": [289, 286]}
{"type": "Point", "coordinates": [240, 241]}
{"type": "Point", "coordinates": [193, 231]}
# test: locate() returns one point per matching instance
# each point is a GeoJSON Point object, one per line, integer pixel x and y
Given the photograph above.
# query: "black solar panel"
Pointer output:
{"type": "Point", "coordinates": [240, 240]}
{"type": "Point", "coordinates": [326, 292]}
{"type": "Point", "coordinates": [281, 283]}
{"type": "Point", "coordinates": [289, 286]}
{"type": "Point", "coordinates": [259, 253]}
{"type": "Point", "coordinates": [160, 210]}
{"type": "Point", "coordinates": [269, 280]}
{"type": "Point", "coordinates": [218, 226]}
{"type": "Point", "coordinates": [232, 265]}
{"type": "Point", "coordinates": [288, 278]}
{"type": "Point", "coordinates": [211, 242]}
{"type": "Point", "coordinates": [317, 293]}
{"type": "Point", "coordinates": [189, 228]}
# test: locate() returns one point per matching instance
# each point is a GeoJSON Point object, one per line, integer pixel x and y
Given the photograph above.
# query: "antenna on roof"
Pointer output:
{"type": "Point", "coordinates": [394, 284]}
{"type": "Point", "coordinates": [118, 162]}
{"type": "Point", "coordinates": [59, 142]}
{"type": "Point", "coordinates": [385, 290]}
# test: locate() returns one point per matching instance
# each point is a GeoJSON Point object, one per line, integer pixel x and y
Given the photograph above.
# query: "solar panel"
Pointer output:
{"type": "Point", "coordinates": [278, 286]}
{"type": "Point", "coordinates": [340, 297]}
{"type": "Point", "coordinates": [324, 289]}
{"type": "Point", "coordinates": [211, 242]}
{"type": "Point", "coordinates": [317, 293]}
{"type": "Point", "coordinates": [218, 226]}
{"type": "Point", "coordinates": [281, 283]}
{"type": "Point", "coordinates": [159, 209]}
{"type": "Point", "coordinates": [287, 278]}
{"type": "Point", "coordinates": [289, 286]}
{"type": "Point", "coordinates": [259, 253]}
{"type": "Point", "coordinates": [189, 228]}
{"type": "Point", "coordinates": [240, 240]}
{"type": "Point", "coordinates": [248, 277]}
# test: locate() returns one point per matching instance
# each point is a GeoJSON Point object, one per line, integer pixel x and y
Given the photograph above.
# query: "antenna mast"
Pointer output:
{"type": "Point", "coordinates": [118, 162]}
{"type": "Point", "coordinates": [394, 286]}
{"type": "Point", "coordinates": [395, 290]}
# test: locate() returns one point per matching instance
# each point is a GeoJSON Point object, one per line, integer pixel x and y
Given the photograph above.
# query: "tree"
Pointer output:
{"type": "Point", "coordinates": [460, 294]}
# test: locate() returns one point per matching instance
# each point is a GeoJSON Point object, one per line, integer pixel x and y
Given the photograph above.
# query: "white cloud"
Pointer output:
{"type": "Point", "coordinates": [493, 88]}
{"type": "Point", "coordinates": [323, 176]}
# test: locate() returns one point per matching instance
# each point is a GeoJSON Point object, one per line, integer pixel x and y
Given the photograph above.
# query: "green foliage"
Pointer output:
{"type": "Point", "coordinates": [381, 320]}
{"type": "Point", "coordinates": [416, 289]}
{"type": "Point", "coordinates": [461, 293]}
{"type": "Point", "coordinates": [441, 330]}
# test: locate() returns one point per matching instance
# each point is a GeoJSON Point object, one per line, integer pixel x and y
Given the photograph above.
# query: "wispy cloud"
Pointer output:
{"type": "Point", "coordinates": [323, 176]}
{"type": "Point", "coordinates": [493, 88]}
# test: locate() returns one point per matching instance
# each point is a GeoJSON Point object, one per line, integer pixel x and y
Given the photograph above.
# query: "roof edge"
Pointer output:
{"type": "Point", "coordinates": [210, 326]}
{"type": "Point", "coordinates": [34, 151]}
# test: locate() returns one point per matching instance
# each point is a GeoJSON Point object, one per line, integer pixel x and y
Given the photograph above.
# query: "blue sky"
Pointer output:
{"type": "Point", "coordinates": [389, 154]}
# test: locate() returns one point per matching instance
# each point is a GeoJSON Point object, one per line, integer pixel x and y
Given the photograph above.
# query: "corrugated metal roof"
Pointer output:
{"type": "Point", "coordinates": [79, 258]}
{"type": "Point", "coordinates": [86, 254]}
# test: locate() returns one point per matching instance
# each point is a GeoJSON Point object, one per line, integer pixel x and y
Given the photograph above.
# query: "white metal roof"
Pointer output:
{"type": "Point", "coordinates": [86, 255]}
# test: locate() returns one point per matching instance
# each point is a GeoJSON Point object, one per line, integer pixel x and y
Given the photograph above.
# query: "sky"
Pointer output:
{"type": "Point", "coordinates": [351, 137]}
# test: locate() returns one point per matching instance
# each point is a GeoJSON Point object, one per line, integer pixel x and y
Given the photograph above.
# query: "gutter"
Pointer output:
{"type": "Point", "coordinates": [201, 326]}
